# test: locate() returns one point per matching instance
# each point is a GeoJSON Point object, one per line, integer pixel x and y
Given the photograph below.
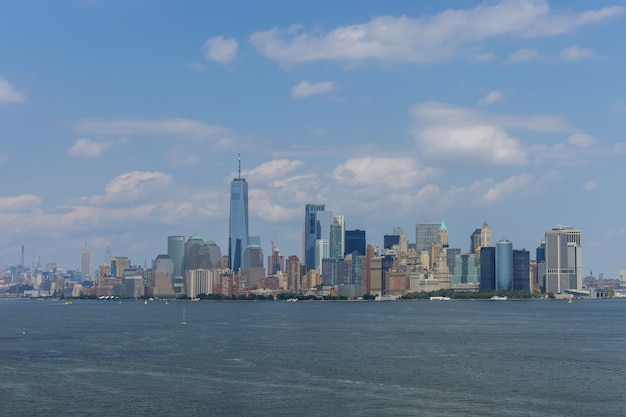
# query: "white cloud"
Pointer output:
{"type": "Point", "coordinates": [619, 148]}
{"type": "Point", "coordinates": [581, 140]}
{"type": "Point", "coordinates": [392, 173]}
{"type": "Point", "coordinates": [220, 49]}
{"type": "Point", "coordinates": [271, 169]}
{"type": "Point", "coordinates": [130, 186]}
{"type": "Point", "coordinates": [522, 55]}
{"type": "Point", "coordinates": [19, 203]}
{"type": "Point", "coordinates": [185, 127]}
{"type": "Point", "coordinates": [491, 97]}
{"type": "Point", "coordinates": [426, 38]}
{"type": "Point", "coordinates": [195, 67]}
{"type": "Point", "coordinates": [8, 93]}
{"type": "Point", "coordinates": [465, 135]}
{"type": "Point", "coordinates": [484, 57]}
{"type": "Point", "coordinates": [499, 191]}
{"type": "Point", "coordinates": [85, 148]}
{"type": "Point", "coordinates": [306, 89]}
{"type": "Point", "coordinates": [575, 53]}
{"type": "Point", "coordinates": [590, 185]}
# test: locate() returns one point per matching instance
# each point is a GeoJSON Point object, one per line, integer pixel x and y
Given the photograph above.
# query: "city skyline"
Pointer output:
{"type": "Point", "coordinates": [120, 123]}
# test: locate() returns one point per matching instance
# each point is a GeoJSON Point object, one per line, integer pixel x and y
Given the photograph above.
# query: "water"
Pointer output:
{"type": "Point", "coordinates": [455, 358]}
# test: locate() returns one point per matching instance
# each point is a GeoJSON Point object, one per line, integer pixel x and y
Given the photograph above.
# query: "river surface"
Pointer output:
{"type": "Point", "coordinates": [401, 358]}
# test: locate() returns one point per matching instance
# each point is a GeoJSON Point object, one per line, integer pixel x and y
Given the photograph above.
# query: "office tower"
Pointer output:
{"type": "Point", "coordinates": [475, 241]}
{"type": "Point", "coordinates": [425, 234]}
{"type": "Point", "coordinates": [451, 254]}
{"type": "Point", "coordinates": [521, 270]}
{"type": "Point", "coordinates": [504, 265]}
{"type": "Point", "coordinates": [563, 259]}
{"type": "Point", "coordinates": [162, 276]}
{"type": "Point", "coordinates": [275, 262]}
{"type": "Point", "coordinates": [192, 252]}
{"type": "Point", "coordinates": [355, 242]}
{"type": "Point", "coordinates": [210, 255]}
{"type": "Point", "coordinates": [342, 222]}
{"type": "Point", "coordinates": [336, 241]}
{"type": "Point", "coordinates": [118, 265]}
{"type": "Point", "coordinates": [293, 273]}
{"type": "Point", "coordinates": [86, 263]}
{"type": "Point", "coordinates": [176, 251]}
{"type": "Point", "coordinates": [390, 240]}
{"type": "Point", "coordinates": [238, 223]}
{"type": "Point", "coordinates": [485, 235]}
{"type": "Point", "coordinates": [466, 269]}
{"type": "Point", "coordinates": [442, 234]}
{"type": "Point", "coordinates": [322, 251]}
{"type": "Point", "coordinates": [107, 256]}
{"type": "Point", "coordinates": [487, 268]}
{"type": "Point", "coordinates": [310, 234]}
{"type": "Point", "coordinates": [253, 265]}
{"type": "Point", "coordinates": [254, 240]}
{"type": "Point", "coordinates": [329, 271]}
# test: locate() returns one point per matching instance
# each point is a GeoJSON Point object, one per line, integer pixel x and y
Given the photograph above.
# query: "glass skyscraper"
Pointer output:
{"type": "Point", "coordinates": [238, 224]}
{"type": "Point", "coordinates": [504, 265]}
{"type": "Point", "coordinates": [311, 233]}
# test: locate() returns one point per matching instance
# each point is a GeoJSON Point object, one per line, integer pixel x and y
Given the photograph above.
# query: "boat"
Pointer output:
{"type": "Point", "coordinates": [440, 298]}
{"type": "Point", "coordinates": [499, 298]}
{"type": "Point", "coordinates": [145, 302]}
{"type": "Point", "coordinates": [183, 323]}
{"type": "Point", "coordinates": [68, 302]}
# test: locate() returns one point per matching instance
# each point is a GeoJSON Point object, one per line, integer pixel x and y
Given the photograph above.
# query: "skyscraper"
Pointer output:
{"type": "Point", "coordinates": [311, 233]}
{"type": "Point", "coordinates": [521, 270]}
{"type": "Point", "coordinates": [238, 224]}
{"type": "Point", "coordinates": [355, 242]}
{"type": "Point", "coordinates": [176, 251]}
{"type": "Point", "coordinates": [425, 234]}
{"type": "Point", "coordinates": [563, 259]}
{"type": "Point", "coordinates": [86, 263]}
{"type": "Point", "coordinates": [487, 268]}
{"type": "Point", "coordinates": [504, 264]}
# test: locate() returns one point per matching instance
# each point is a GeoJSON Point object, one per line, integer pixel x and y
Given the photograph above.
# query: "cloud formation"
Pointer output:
{"type": "Point", "coordinates": [491, 97]}
{"type": "Point", "coordinates": [271, 169]}
{"type": "Point", "coordinates": [425, 39]}
{"type": "Point", "coordinates": [19, 203]}
{"type": "Point", "coordinates": [220, 49]}
{"type": "Point", "coordinates": [576, 53]}
{"type": "Point", "coordinates": [85, 148]}
{"type": "Point", "coordinates": [129, 127]}
{"type": "Point", "coordinates": [306, 89]}
{"type": "Point", "coordinates": [522, 55]}
{"type": "Point", "coordinates": [130, 186]}
{"type": "Point", "coordinates": [8, 93]}
{"type": "Point", "coordinates": [388, 172]}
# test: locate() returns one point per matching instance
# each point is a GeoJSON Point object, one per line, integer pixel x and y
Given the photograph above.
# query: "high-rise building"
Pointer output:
{"type": "Point", "coordinates": [322, 251]}
{"type": "Point", "coordinates": [210, 255]}
{"type": "Point", "coordinates": [336, 241]}
{"type": "Point", "coordinates": [563, 259]}
{"type": "Point", "coordinates": [293, 273]}
{"type": "Point", "coordinates": [504, 264]}
{"type": "Point", "coordinates": [238, 223]}
{"type": "Point", "coordinates": [475, 241]}
{"type": "Point", "coordinates": [311, 232]}
{"type": "Point", "coordinates": [487, 268]}
{"type": "Point", "coordinates": [192, 252]}
{"type": "Point", "coordinates": [275, 262]}
{"type": "Point", "coordinates": [176, 251]}
{"type": "Point", "coordinates": [521, 270]}
{"type": "Point", "coordinates": [485, 235]}
{"type": "Point", "coordinates": [253, 265]}
{"type": "Point", "coordinates": [162, 276]}
{"type": "Point", "coordinates": [425, 235]}
{"type": "Point", "coordinates": [86, 263]}
{"type": "Point", "coordinates": [465, 269]}
{"type": "Point", "coordinates": [355, 242]}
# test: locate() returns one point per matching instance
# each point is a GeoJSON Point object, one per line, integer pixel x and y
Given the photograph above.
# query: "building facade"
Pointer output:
{"type": "Point", "coordinates": [238, 221]}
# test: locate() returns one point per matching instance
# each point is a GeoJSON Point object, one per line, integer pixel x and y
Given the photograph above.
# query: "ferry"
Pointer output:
{"type": "Point", "coordinates": [439, 298]}
{"type": "Point", "coordinates": [499, 298]}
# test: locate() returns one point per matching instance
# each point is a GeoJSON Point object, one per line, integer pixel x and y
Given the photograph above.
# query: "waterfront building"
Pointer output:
{"type": "Point", "coordinates": [202, 281]}
{"type": "Point", "coordinates": [253, 267]}
{"type": "Point", "coordinates": [487, 268]}
{"type": "Point", "coordinates": [293, 273]}
{"type": "Point", "coordinates": [504, 265]}
{"type": "Point", "coordinates": [162, 276]}
{"type": "Point", "coordinates": [466, 269]}
{"type": "Point", "coordinates": [210, 256]}
{"type": "Point", "coordinates": [563, 252]}
{"type": "Point", "coordinates": [176, 251]}
{"type": "Point", "coordinates": [521, 270]}
{"type": "Point", "coordinates": [238, 221]}
{"type": "Point", "coordinates": [192, 252]}
{"type": "Point", "coordinates": [275, 262]}
{"type": "Point", "coordinates": [322, 251]}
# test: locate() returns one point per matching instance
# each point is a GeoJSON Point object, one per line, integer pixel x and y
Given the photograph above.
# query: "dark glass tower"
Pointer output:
{"type": "Point", "coordinates": [488, 268]}
{"type": "Point", "coordinates": [521, 270]}
{"type": "Point", "coordinates": [238, 224]}
{"type": "Point", "coordinates": [312, 232]}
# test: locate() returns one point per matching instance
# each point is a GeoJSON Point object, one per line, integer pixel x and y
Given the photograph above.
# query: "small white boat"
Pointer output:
{"type": "Point", "coordinates": [499, 298]}
{"type": "Point", "coordinates": [183, 323]}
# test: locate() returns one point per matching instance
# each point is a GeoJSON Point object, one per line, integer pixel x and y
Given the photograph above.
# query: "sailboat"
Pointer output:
{"type": "Point", "coordinates": [183, 323]}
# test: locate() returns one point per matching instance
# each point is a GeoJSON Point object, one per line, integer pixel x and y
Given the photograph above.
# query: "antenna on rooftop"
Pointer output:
{"type": "Point", "coordinates": [240, 164]}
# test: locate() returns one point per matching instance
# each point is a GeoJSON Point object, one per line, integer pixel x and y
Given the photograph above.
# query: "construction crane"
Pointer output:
{"type": "Point", "coordinates": [272, 241]}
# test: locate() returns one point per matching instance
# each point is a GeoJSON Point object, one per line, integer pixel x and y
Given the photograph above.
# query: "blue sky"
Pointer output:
{"type": "Point", "coordinates": [120, 122]}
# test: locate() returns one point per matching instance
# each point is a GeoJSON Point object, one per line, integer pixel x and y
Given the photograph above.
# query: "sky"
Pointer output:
{"type": "Point", "coordinates": [121, 122]}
